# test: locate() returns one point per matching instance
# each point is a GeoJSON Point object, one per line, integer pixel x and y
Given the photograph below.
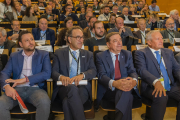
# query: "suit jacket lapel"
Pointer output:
{"type": "Point", "coordinates": [66, 58]}
{"type": "Point", "coordinates": [122, 62]}
{"type": "Point", "coordinates": [139, 34]}
{"type": "Point", "coordinates": [34, 61]}
{"type": "Point", "coordinates": [82, 60]}
{"type": "Point", "coordinates": [165, 59]}
{"type": "Point", "coordinates": [47, 34]}
{"type": "Point", "coordinates": [150, 54]}
{"type": "Point", "coordinates": [110, 63]}
{"type": "Point", "coordinates": [20, 63]}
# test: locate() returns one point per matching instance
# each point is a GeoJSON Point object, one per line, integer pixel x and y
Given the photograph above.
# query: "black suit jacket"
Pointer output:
{"type": "Point", "coordinates": [10, 33]}
{"type": "Point", "coordinates": [61, 67]}
{"type": "Point", "coordinates": [9, 45]}
{"type": "Point", "coordinates": [138, 35]}
{"type": "Point", "coordinates": [83, 24]}
{"type": "Point", "coordinates": [129, 17]}
{"type": "Point", "coordinates": [45, 15]}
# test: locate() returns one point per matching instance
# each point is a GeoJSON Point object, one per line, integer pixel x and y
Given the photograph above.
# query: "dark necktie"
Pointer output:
{"type": "Point", "coordinates": [117, 69]}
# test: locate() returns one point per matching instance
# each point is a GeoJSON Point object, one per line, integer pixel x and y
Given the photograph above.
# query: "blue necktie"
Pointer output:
{"type": "Point", "coordinates": [73, 71]}
{"type": "Point", "coordinates": [164, 72]}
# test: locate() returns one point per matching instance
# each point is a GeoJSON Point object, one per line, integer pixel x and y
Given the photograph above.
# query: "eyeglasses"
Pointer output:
{"type": "Point", "coordinates": [78, 37]}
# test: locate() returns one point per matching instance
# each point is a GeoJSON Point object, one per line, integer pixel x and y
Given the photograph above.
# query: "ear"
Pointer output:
{"type": "Point", "coordinates": [149, 42]}
{"type": "Point", "coordinates": [107, 43]}
{"type": "Point", "coordinates": [69, 39]}
{"type": "Point", "coordinates": [20, 43]}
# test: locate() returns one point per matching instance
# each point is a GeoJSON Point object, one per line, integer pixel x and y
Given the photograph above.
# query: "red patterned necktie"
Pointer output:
{"type": "Point", "coordinates": [117, 69]}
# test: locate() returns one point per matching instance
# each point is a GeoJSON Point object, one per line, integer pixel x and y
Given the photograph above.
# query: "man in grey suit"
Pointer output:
{"type": "Point", "coordinates": [141, 33]}
{"type": "Point", "coordinates": [123, 31]}
{"type": "Point", "coordinates": [169, 33]}
{"type": "Point", "coordinates": [72, 64]}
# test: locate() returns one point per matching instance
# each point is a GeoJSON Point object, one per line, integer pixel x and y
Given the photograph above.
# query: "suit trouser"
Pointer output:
{"type": "Point", "coordinates": [73, 98]}
{"type": "Point", "coordinates": [115, 96]}
{"type": "Point", "coordinates": [158, 107]}
{"type": "Point", "coordinates": [33, 95]}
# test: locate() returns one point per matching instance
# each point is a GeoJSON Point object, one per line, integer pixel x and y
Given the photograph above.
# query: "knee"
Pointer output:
{"type": "Point", "coordinates": [161, 100]}
{"type": "Point", "coordinates": [72, 90]}
{"type": "Point", "coordinates": [45, 102]}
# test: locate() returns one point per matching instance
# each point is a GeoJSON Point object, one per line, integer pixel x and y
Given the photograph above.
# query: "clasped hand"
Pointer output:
{"type": "Point", "coordinates": [66, 80]}
{"type": "Point", "coordinates": [16, 82]}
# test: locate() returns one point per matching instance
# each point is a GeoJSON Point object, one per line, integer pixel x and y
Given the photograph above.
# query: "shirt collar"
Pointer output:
{"type": "Point", "coordinates": [153, 51]}
{"type": "Point", "coordinates": [143, 31]}
{"type": "Point", "coordinates": [113, 54]}
{"type": "Point", "coordinates": [77, 51]}
{"type": "Point", "coordinates": [23, 53]}
{"type": "Point", "coordinates": [99, 39]}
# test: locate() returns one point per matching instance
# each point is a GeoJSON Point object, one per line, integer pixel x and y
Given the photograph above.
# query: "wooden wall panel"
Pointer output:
{"type": "Point", "coordinates": [167, 5]}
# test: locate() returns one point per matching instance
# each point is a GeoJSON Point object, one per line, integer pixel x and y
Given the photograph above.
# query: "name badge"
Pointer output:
{"type": "Point", "coordinates": [161, 79]}
{"type": "Point", "coordinates": [1, 51]}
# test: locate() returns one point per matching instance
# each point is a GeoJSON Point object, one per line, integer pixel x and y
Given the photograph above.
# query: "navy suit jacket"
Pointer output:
{"type": "Point", "coordinates": [10, 33]}
{"type": "Point", "coordinates": [50, 35]}
{"type": "Point", "coordinates": [61, 67]}
{"type": "Point", "coordinates": [148, 69]}
{"type": "Point", "coordinates": [106, 71]}
{"type": "Point", "coordinates": [41, 68]}
{"type": "Point", "coordinates": [74, 17]}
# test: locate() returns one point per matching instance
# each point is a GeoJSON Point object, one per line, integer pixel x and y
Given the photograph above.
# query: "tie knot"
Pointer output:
{"type": "Point", "coordinates": [157, 52]}
{"type": "Point", "coordinates": [117, 56]}
{"type": "Point", "coordinates": [74, 52]}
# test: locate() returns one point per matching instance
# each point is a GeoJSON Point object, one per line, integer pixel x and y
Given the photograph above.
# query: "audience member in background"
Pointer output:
{"type": "Point", "coordinates": [141, 33]}
{"type": "Point", "coordinates": [54, 10]}
{"type": "Point", "coordinates": [68, 13]}
{"type": "Point", "coordinates": [82, 15]}
{"type": "Point", "coordinates": [111, 23]}
{"type": "Point", "coordinates": [99, 38]}
{"type": "Point", "coordinates": [105, 3]}
{"type": "Point", "coordinates": [105, 16]}
{"type": "Point", "coordinates": [110, 4]}
{"type": "Point", "coordinates": [170, 33]}
{"type": "Point", "coordinates": [89, 31]}
{"type": "Point", "coordinates": [145, 11]}
{"type": "Point", "coordinates": [24, 5]}
{"type": "Point", "coordinates": [115, 10]}
{"type": "Point", "coordinates": [123, 31]}
{"type": "Point", "coordinates": [4, 42]}
{"type": "Point", "coordinates": [101, 11]}
{"type": "Point", "coordinates": [84, 23]}
{"type": "Point", "coordinates": [135, 2]}
{"type": "Point", "coordinates": [14, 34]}
{"type": "Point", "coordinates": [41, 3]}
{"type": "Point", "coordinates": [153, 6]}
{"type": "Point", "coordinates": [43, 32]}
{"type": "Point", "coordinates": [89, 8]}
{"type": "Point", "coordinates": [123, 5]}
{"type": "Point", "coordinates": [7, 6]}
{"type": "Point", "coordinates": [114, 2]}
{"type": "Point", "coordinates": [70, 3]}
{"type": "Point", "coordinates": [58, 5]}
{"type": "Point", "coordinates": [144, 2]}
{"type": "Point", "coordinates": [129, 2]}
{"type": "Point", "coordinates": [140, 6]}
{"type": "Point", "coordinates": [95, 5]}
{"type": "Point", "coordinates": [18, 9]}
{"type": "Point", "coordinates": [29, 2]}
{"type": "Point", "coordinates": [81, 4]}
{"type": "Point", "coordinates": [119, 2]}
{"type": "Point", "coordinates": [174, 14]}
{"type": "Point", "coordinates": [29, 15]}
{"type": "Point", "coordinates": [36, 9]}
{"type": "Point", "coordinates": [132, 10]}
{"type": "Point", "coordinates": [177, 57]}
{"type": "Point", "coordinates": [126, 16]}
{"type": "Point", "coordinates": [62, 40]}
{"type": "Point", "coordinates": [48, 15]}
{"type": "Point", "coordinates": [100, 4]}
{"type": "Point", "coordinates": [153, 22]}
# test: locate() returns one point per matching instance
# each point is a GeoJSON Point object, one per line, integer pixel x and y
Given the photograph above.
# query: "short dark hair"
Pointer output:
{"type": "Point", "coordinates": [109, 35]}
{"type": "Point", "coordinates": [106, 6]}
{"type": "Point", "coordinates": [66, 20]}
{"type": "Point", "coordinates": [91, 18]}
{"type": "Point", "coordinates": [153, 1]}
{"type": "Point", "coordinates": [69, 31]}
{"type": "Point", "coordinates": [94, 24]}
{"type": "Point", "coordinates": [13, 21]}
{"type": "Point", "coordinates": [67, 5]}
{"type": "Point", "coordinates": [124, 0]}
{"type": "Point", "coordinates": [27, 12]}
{"type": "Point", "coordinates": [21, 34]}
{"type": "Point", "coordinates": [109, 1]}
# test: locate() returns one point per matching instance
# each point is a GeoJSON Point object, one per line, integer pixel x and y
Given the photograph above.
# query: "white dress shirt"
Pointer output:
{"type": "Point", "coordinates": [126, 18]}
{"type": "Point", "coordinates": [143, 35]}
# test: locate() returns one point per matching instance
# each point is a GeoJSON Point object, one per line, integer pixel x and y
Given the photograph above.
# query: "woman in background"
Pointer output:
{"type": "Point", "coordinates": [153, 22]}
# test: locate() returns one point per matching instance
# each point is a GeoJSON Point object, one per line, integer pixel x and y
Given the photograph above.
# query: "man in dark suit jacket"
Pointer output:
{"type": "Point", "coordinates": [43, 32]}
{"type": "Point", "coordinates": [169, 33]}
{"type": "Point", "coordinates": [18, 9]}
{"type": "Point", "coordinates": [30, 69]}
{"type": "Point", "coordinates": [125, 15]}
{"type": "Point", "coordinates": [48, 15]}
{"type": "Point", "coordinates": [115, 71]}
{"type": "Point", "coordinates": [84, 23]}
{"type": "Point", "coordinates": [141, 33]}
{"type": "Point", "coordinates": [4, 42]}
{"type": "Point", "coordinates": [140, 6]}
{"type": "Point", "coordinates": [72, 64]}
{"type": "Point", "coordinates": [68, 13]}
{"type": "Point", "coordinates": [160, 76]}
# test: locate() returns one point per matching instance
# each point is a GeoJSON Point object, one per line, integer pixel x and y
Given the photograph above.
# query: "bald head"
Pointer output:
{"type": "Point", "coordinates": [43, 24]}
{"type": "Point", "coordinates": [125, 11]}
{"type": "Point", "coordinates": [119, 22]}
{"type": "Point", "coordinates": [170, 24]}
{"type": "Point", "coordinates": [49, 9]}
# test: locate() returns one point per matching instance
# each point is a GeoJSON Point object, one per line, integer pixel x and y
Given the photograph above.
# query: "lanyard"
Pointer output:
{"type": "Point", "coordinates": [170, 33]}
{"type": "Point", "coordinates": [77, 60]}
{"type": "Point", "coordinates": [143, 35]}
{"type": "Point", "coordinates": [106, 17]}
{"type": "Point", "coordinates": [42, 36]}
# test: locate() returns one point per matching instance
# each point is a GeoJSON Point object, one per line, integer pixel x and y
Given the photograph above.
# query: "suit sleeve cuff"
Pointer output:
{"type": "Point", "coordinates": [135, 87]}
{"type": "Point", "coordinates": [110, 85]}
{"type": "Point", "coordinates": [4, 86]}
{"type": "Point", "coordinates": [156, 80]}
{"type": "Point", "coordinates": [59, 77]}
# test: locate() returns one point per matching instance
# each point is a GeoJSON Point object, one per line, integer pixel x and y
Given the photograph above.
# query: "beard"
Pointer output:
{"type": "Point", "coordinates": [171, 29]}
{"type": "Point", "coordinates": [29, 49]}
{"type": "Point", "coordinates": [99, 35]}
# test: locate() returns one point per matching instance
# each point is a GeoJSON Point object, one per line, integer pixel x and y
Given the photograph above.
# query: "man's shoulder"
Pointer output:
{"type": "Point", "coordinates": [35, 29]}
{"type": "Point", "coordinates": [113, 30]}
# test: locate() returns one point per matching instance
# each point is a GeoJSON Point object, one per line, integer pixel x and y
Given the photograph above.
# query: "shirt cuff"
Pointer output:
{"type": "Point", "coordinates": [4, 86]}
{"type": "Point", "coordinates": [83, 75]}
{"type": "Point", "coordinates": [135, 87]}
{"type": "Point", "coordinates": [156, 80]}
{"type": "Point", "coordinates": [59, 77]}
{"type": "Point", "coordinates": [110, 85]}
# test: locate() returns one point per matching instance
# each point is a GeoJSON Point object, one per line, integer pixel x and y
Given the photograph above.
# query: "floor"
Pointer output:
{"type": "Point", "coordinates": [136, 114]}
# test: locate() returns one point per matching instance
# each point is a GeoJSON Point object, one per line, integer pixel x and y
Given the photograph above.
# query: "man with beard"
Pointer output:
{"type": "Point", "coordinates": [99, 38]}
{"type": "Point", "coordinates": [89, 31]}
{"type": "Point", "coordinates": [84, 23]}
{"type": "Point", "coordinates": [169, 33]}
{"type": "Point", "coordinates": [30, 68]}
{"type": "Point", "coordinates": [106, 15]}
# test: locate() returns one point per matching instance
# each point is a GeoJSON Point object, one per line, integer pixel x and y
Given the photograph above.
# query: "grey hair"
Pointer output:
{"type": "Point", "coordinates": [149, 34]}
{"type": "Point", "coordinates": [3, 31]}
{"type": "Point", "coordinates": [141, 19]}
{"type": "Point", "coordinates": [172, 12]}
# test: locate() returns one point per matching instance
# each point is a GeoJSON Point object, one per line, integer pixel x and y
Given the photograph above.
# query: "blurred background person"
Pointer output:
{"type": "Point", "coordinates": [18, 9]}
{"type": "Point", "coordinates": [153, 22]}
{"type": "Point", "coordinates": [95, 5]}
{"type": "Point", "coordinates": [145, 11]}
{"type": "Point", "coordinates": [133, 10]}
{"type": "Point", "coordinates": [111, 23]}
{"type": "Point", "coordinates": [36, 9]}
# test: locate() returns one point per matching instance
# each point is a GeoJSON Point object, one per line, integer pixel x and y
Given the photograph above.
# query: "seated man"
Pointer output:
{"type": "Point", "coordinates": [48, 15]}
{"type": "Point", "coordinates": [73, 64]}
{"type": "Point", "coordinates": [106, 15]}
{"type": "Point", "coordinates": [115, 10]}
{"type": "Point", "coordinates": [68, 13]}
{"type": "Point", "coordinates": [89, 31]}
{"type": "Point", "coordinates": [169, 33]}
{"type": "Point", "coordinates": [54, 10]}
{"type": "Point", "coordinates": [174, 14]}
{"type": "Point", "coordinates": [4, 42]}
{"type": "Point", "coordinates": [123, 31]}
{"type": "Point", "coordinates": [99, 38]}
{"type": "Point", "coordinates": [24, 5]}
{"type": "Point", "coordinates": [126, 16]}
{"type": "Point", "coordinates": [43, 32]}
{"type": "Point", "coordinates": [141, 33]}
{"type": "Point", "coordinates": [41, 3]}
{"type": "Point", "coordinates": [30, 69]}
{"type": "Point", "coordinates": [78, 6]}
{"type": "Point", "coordinates": [140, 6]}
{"type": "Point", "coordinates": [116, 77]}
{"type": "Point", "coordinates": [18, 9]}
{"type": "Point", "coordinates": [110, 4]}
{"type": "Point", "coordinates": [123, 5]}
{"type": "Point", "coordinates": [95, 5]}
{"type": "Point", "coordinates": [153, 6]}
{"type": "Point", "coordinates": [84, 23]}
{"type": "Point", "coordinates": [14, 34]}
{"type": "Point", "coordinates": [160, 76]}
